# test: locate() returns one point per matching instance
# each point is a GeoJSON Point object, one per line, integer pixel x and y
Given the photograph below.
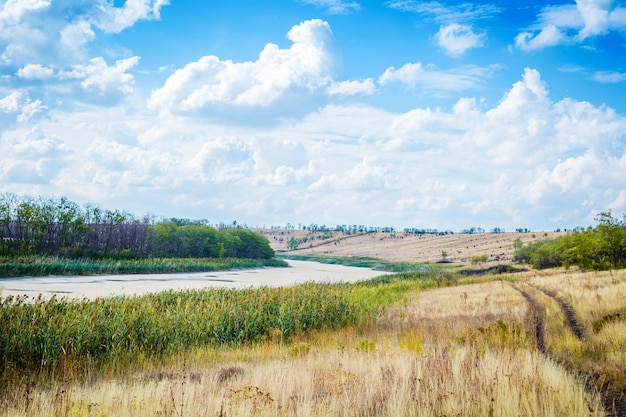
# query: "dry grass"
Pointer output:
{"type": "Point", "coordinates": [598, 300]}
{"type": "Point", "coordinates": [394, 382]}
{"type": "Point", "coordinates": [458, 351]}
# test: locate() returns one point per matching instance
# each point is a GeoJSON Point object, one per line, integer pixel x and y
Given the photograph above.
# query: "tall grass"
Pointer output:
{"type": "Point", "coordinates": [48, 265]}
{"type": "Point", "coordinates": [41, 335]}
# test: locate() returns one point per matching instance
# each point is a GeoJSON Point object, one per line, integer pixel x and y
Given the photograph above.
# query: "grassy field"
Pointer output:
{"type": "Point", "coordinates": [431, 343]}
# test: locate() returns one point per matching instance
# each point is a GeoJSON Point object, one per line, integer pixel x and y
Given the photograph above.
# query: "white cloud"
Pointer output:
{"type": "Point", "coordinates": [368, 175]}
{"type": "Point", "coordinates": [19, 102]}
{"type": "Point", "coordinates": [455, 39]}
{"type": "Point", "coordinates": [11, 103]}
{"type": "Point", "coordinates": [95, 82]}
{"type": "Point", "coordinates": [595, 15]}
{"type": "Point", "coordinates": [352, 88]}
{"type": "Point", "coordinates": [335, 6]}
{"type": "Point", "coordinates": [35, 72]}
{"type": "Point", "coordinates": [310, 63]}
{"type": "Point", "coordinates": [609, 77]}
{"type": "Point", "coordinates": [75, 36]}
{"type": "Point", "coordinates": [416, 75]}
{"type": "Point", "coordinates": [34, 31]}
{"type": "Point", "coordinates": [13, 10]}
{"type": "Point", "coordinates": [115, 19]}
{"type": "Point", "coordinates": [550, 35]}
{"type": "Point", "coordinates": [223, 160]}
{"type": "Point", "coordinates": [29, 110]}
{"type": "Point", "coordinates": [572, 24]}
{"type": "Point", "coordinates": [98, 82]}
{"type": "Point", "coordinates": [31, 156]}
{"type": "Point", "coordinates": [446, 13]}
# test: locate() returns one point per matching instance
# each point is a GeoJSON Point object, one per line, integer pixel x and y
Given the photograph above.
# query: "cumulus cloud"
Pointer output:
{"type": "Point", "coordinates": [19, 102]}
{"type": "Point", "coordinates": [572, 24]}
{"type": "Point", "coordinates": [115, 19]}
{"type": "Point", "coordinates": [35, 72]}
{"type": "Point", "coordinates": [42, 30]}
{"type": "Point", "coordinates": [13, 10]}
{"type": "Point", "coordinates": [416, 75]}
{"type": "Point", "coordinates": [309, 64]}
{"type": "Point", "coordinates": [100, 78]}
{"type": "Point", "coordinates": [94, 82]}
{"type": "Point", "coordinates": [455, 39]}
{"type": "Point", "coordinates": [11, 103]}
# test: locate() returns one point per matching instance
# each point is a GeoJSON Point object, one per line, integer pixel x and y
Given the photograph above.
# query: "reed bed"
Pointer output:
{"type": "Point", "coordinates": [49, 265]}
{"type": "Point", "coordinates": [40, 336]}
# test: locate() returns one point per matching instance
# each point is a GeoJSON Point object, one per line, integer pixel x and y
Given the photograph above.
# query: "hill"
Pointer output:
{"type": "Point", "coordinates": [404, 247]}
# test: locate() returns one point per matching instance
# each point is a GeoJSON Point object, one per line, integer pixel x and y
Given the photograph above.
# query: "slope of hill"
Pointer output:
{"type": "Point", "coordinates": [403, 247]}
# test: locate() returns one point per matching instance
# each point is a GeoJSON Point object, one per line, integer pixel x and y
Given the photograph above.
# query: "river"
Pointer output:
{"type": "Point", "coordinates": [94, 286]}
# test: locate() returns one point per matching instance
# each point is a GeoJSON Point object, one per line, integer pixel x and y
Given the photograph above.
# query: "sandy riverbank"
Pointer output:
{"type": "Point", "coordinates": [111, 285]}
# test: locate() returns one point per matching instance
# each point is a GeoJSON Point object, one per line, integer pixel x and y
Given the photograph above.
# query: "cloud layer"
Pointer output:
{"type": "Point", "coordinates": [290, 136]}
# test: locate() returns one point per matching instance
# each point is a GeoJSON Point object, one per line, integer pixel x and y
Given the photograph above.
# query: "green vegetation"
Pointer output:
{"type": "Point", "coordinates": [41, 335]}
{"type": "Point", "coordinates": [596, 248]}
{"type": "Point", "coordinates": [48, 265]}
{"type": "Point", "coordinates": [37, 226]}
{"type": "Point", "coordinates": [479, 259]}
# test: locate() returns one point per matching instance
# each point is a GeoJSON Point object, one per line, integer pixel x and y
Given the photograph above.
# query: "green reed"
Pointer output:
{"type": "Point", "coordinates": [38, 335]}
{"type": "Point", "coordinates": [48, 265]}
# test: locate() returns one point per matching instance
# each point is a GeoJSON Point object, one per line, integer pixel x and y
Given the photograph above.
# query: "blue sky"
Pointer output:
{"type": "Point", "coordinates": [404, 113]}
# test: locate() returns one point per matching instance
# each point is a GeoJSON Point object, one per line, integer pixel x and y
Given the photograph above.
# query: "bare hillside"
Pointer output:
{"type": "Point", "coordinates": [398, 246]}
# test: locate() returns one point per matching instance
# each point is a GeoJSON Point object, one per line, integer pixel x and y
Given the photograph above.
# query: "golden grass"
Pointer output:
{"type": "Point", "coordinates": [328, 382]}
{"type": "Point", "coordinates": [599, 302]}
{"type": "Point", "coordinates": [457, 351]}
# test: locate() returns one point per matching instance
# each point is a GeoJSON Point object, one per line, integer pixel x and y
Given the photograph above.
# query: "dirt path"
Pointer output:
{"type": "Point", "coordinates": [537, 314]}
{"type": "Point", "coordinates": [570, 316]}
{"type": "Point", "coordinates": [613, 398]}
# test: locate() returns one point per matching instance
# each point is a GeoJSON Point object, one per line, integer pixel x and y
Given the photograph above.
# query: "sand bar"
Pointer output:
{"type": "Point", "coordinates": [94, 286]}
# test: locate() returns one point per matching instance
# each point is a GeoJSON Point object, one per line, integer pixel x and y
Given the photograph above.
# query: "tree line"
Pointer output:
{"type": "Point", "coordinates": [596, 248]}
{"type": "Point", "coordinates": [61, 227]}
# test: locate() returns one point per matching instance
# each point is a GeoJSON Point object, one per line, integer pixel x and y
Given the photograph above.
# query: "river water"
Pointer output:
{"type": "Point", "coordinates": [94, 286]}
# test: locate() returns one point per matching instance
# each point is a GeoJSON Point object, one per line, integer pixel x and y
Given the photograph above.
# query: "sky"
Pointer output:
{"type": "Point", "coordinates": [421, 114]}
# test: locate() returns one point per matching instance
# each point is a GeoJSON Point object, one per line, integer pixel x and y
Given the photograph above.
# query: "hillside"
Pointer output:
{"type": "Point", "coordinates": [398, 246]}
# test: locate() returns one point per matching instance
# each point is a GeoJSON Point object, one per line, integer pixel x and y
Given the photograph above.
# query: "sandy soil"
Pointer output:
{"type": "Point", "coordinates": [399, 246]}
{"type": "Point", "coordinates": [110, 285]}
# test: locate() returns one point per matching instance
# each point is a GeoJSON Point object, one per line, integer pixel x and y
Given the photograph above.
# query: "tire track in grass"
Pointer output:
{"type": "Point", "coordinates": [570, 316]}
{"type": "Point", "coordinates": [538, 314]}
{"type": "Point", "coordinates": [613, 398]}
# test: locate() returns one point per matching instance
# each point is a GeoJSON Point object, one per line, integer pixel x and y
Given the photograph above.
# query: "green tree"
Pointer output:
{"type": "Point", "coordinates": [612, 235]}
